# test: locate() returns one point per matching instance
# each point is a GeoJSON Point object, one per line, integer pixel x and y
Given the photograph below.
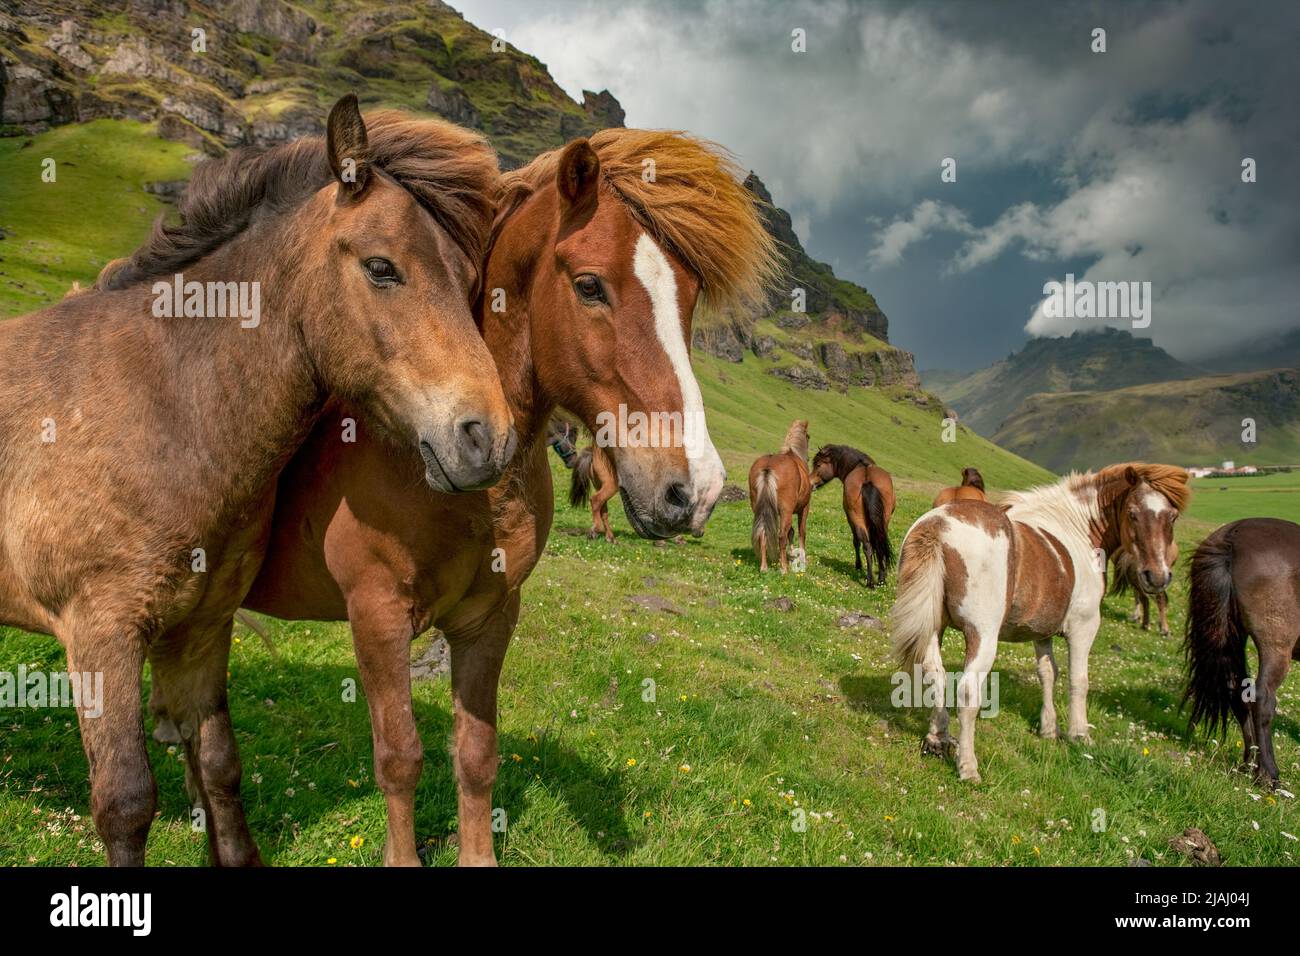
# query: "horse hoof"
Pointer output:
{"type": "Point", "coordinates": [969, 776]}
{"type": "Point", "coordinates": [1050, 733]}
{"type": "Point", "coordinates": [1084, 738]}
{"type": "Point", "coordinates": [936, 746]}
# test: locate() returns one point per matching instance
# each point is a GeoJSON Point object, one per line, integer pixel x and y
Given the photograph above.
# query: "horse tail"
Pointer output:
{"type": "Point", "coordinates": [766, 529]}
{"type": "Point", "coordinates": [581, 482]}
{"type": "Point", "coordinates": [917, 616]}
{"type": "Point", "coordinates": [254, 625]}
{"type": "Point", "coordinates": [1214, 642]}
{"type": "Point", "coordinates": [873, 507]}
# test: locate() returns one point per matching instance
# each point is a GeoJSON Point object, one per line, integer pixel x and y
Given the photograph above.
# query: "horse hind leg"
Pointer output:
{"type": "Point", "coordinates": [123, 793]}
{"type": "Point", "coordinates": [934, 680]}
{"type": "Point", "coordinates": [981, 649]}
{"type": "Point", "coordinates": [1273, 667]}
{"type": "Point", "coordinates": [1047, 673]}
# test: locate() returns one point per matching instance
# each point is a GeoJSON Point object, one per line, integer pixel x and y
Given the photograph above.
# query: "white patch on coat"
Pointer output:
{"type": "Point", "coordinates": [655, 273]}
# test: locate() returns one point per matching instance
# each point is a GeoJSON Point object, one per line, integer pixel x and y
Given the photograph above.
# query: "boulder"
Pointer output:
{"type": "Point", "coordinates": [452, 103]}
{"type": "Point", "coordinates": [801, 376]}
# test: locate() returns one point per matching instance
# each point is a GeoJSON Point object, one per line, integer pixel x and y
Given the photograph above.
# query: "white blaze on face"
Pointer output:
{"type": "Point", "coordinates": [653, 270]}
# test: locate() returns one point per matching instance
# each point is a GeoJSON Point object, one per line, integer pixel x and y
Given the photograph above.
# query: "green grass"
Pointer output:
{"type": "Point", "coordinates": [771, 711]}
{"type": "Point", "coordinates": [1220, 500]}
{"type": "Point", "coordinates": [65, 231]}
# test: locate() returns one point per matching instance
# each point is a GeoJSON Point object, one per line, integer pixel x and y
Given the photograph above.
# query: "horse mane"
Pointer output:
{"type": "Point", "coordinates": [696, 206]}
{"type": "Point", "coordinates": [845, 456]}
{"type": "Point", "coordinates": [450, 171]}
{"type": "Point", "coordinates": [1079, 502]}
{"type": "Point", "coordinates": [973, 478]}
{"type": "Point", "coordinates": [796, 439]}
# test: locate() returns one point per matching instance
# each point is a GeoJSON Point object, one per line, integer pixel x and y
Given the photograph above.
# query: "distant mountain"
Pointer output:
{"type": "Point", "coordinates": [1274, 351]}
{"type": "Point", "coordinates": [1187, 422]}
{"type": "Point", "coordinates": [1083, 362]}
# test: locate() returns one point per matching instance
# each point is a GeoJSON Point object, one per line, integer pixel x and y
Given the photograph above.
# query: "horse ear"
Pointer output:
{"type": "Point", "coordinates": [578, 173]}
{"type": "Point", "coordinates": [1131, 475]}
{"type": "Point", "coordinates": [347, 147]}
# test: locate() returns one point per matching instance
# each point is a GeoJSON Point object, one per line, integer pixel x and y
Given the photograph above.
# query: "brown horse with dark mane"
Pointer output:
{"type": "Point", "coordinates": [970, 489]}
{"type": "Point", "coordinates": [868, 504]}
{"type": "Point", "coordinates": [779, 490]}
{"type": "Point", "coordinates": [594, 469]}
{"type": "Point", "coordinates": [1245, 581]}
{"type": "Point", "coordinates": [141, 437]}
{"type": "Point", "coordinates": [598, 270]}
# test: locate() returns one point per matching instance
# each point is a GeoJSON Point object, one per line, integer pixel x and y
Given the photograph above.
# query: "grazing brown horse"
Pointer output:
{"type": "Point", "coordinates": [139, 451]}
{"type": "Point", "coordinates": [594, 468]}
{"type": "Point", "coordinates": [1245, 580]}
{"type": "Point", "coordinates": [970, 489]}
{"type": "Point", "coordinates": [592, 280]}
{"type": "Point", "coordinates": [1027, 570]}
{"type": "Point", "coordinates": [780, 489]}
{"type": "Point", "coordinates": [868, 503]}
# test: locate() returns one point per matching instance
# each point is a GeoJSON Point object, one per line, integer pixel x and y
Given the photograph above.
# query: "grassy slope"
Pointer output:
{"type": "Point", "coordinates": [1194, 421]}
{"type": "Point", "coordinates": [54, 239]}
{"type": "Point", "coordinates": [757, 712]}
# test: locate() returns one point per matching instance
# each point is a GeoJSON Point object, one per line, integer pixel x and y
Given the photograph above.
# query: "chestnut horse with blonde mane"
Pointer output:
{"type": "Point", "coordinates": [594, 470]}
{"type": "Point", "coordinates": [970, 489]}
{"type": "Point", "coordinates": [868, 504]}
{"type": "Point", "coordinates": [1027, 570]}
{"type": "Point", "coordinates": [591, 283]}
{"type": "Point", "coordinates": [132, 528]}
{"type": "Point", "coordinates": [779, 490]}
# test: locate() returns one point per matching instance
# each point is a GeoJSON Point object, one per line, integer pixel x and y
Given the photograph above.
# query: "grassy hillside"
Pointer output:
{"type": "Point", "coordinates": [757, 713]}
{"type": "Point", "coordinates": [55, 233]}
{"type": "Point", "coordinates": [1197, 421]}
{"type": "Point", "coordinates": [1093, 361]}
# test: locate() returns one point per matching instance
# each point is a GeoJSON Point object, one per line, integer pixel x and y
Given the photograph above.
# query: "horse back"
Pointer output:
{"type": "Point", "coordinates": [1042, 584]}
{"type": "Point", "coordinates": [1264, 557]}
{"type": "Point", "coordinates": [793, 483]}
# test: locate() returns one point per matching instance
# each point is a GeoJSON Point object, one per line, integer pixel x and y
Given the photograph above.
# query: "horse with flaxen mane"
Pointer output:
{"type": "Point", "coordinates": [970, 489]}
{"type": "Point", "coordinates": [868, 504]}
{"type": "Point", "coordinates": [601, 270]}
{"type": "Point", "coordinates": [132, 528]}
{"type": "Point", "coordinates": [594, 469]}
{"type": "Point", "coordinates": [1245, 580]}
{"type": "Point", "coordinates": [1027, 570]}
{"type": "Point", "coordinates": [779, 489]}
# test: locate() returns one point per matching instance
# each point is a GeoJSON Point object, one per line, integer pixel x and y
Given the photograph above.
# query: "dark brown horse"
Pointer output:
{"type": "Point", "coordinates": [970, 489]}
{"type": "Point", "coordinates": [868, 503]}
{"type": "Point", "coordinates": [592, 280]}
{"type": "Point", "coordinates": [1027, 570]}
{"type": "Point", "coordinates": [594, 469]}
{"type": "Point", "coordinates": [1245, 580]}
{"type": "Point", "coordinates": [143, 424]}
{"type": "Point", "coordinates": [779, 490]}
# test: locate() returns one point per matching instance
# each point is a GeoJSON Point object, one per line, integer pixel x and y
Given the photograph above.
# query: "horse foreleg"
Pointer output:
{"type": "Point", "coordinates": [189, 669]}
{"type": "Point", "coordinates": [381, 636]}
{"type": "Point", "coordinates": [123, 793]}
{"type": "Point", "coordinates": [1047, 726]}
{"type": "Point", "coordinates": [600, 511]}
{"type": "Point", "coordinates": [1080, 641]}
{"type": "Point", "coordinates": [476, 658]}
{"type": "Point", "coordinates": [1162, 604]}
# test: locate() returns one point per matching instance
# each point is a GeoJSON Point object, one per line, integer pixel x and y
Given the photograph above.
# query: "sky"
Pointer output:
{"type": "Point", "coordinates": [1115, 166]}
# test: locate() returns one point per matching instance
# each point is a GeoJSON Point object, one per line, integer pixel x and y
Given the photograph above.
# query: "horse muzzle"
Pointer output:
{"type": "Point", "coordinates": [467, 455]}
{"type": "Point", "coordinates": [1154, 582]}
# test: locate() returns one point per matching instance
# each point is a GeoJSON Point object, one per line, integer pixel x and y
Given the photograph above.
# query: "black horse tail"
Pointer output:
{"type": "Point", "coordinates": [873, 507]}
{"type": "Point", "coordinates": [1214, 642]}
{"type": "Point", "coordinates": [582, 482]}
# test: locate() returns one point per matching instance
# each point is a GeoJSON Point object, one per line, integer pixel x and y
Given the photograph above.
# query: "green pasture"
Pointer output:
{"type": "Point", "coordinates": [1220, 500]}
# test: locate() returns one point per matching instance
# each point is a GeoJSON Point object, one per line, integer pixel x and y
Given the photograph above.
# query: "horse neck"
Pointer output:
{"type": "Point", "coordinates": [796, 443]}
{"type": "Point", "coordinates": [511, 267]}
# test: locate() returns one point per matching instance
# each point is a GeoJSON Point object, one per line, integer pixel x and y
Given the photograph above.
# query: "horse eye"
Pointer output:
{"type": "Point", "coordinates": [589, 288]}
{"type": "Point", "coordinates": [381, 271]}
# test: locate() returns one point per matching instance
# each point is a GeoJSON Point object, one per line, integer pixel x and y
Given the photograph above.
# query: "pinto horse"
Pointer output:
{"type": "Point", "coordinates": [1027, 570]}
{"type": "Point", "coordinates": [598, 270]}
{"type": "Point", "coordinates": [868, 503]}
{"type": "Point", "coordinates": [780, 489]}
{"type": "Point", "coordinates": [970, 489]}
{"type": "Point", "coordinates": [1245, 580]}
{"type": "Point", "coordinates": [138, 466]}
{"type": "Point", "coordinates": [595, 469]}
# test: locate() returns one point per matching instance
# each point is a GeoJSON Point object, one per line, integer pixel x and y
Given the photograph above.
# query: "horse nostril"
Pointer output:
{"type": "Point", "coordinates": [677, 497]}
{"type": "Point", "coordinates": [475, 441]}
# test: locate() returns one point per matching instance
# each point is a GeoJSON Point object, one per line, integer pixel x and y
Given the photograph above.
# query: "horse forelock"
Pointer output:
{"type": "Point", "coordinates": [689, 195]}
{"type": "Point", "coordinates": [451, 172]}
